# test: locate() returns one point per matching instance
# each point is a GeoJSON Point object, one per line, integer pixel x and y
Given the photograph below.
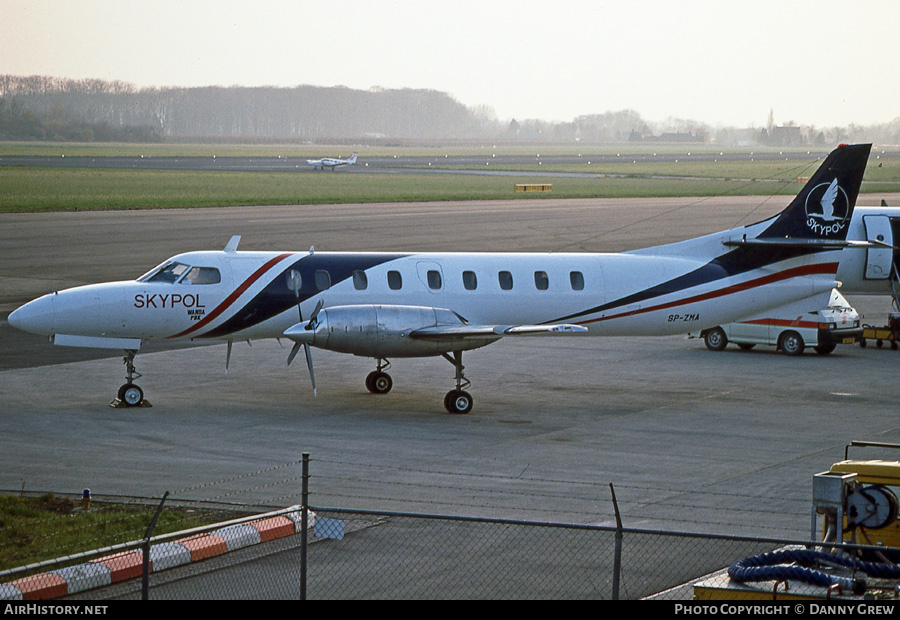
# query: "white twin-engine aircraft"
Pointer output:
{"type": "Point", "coordinates": [331, 162]}
{"type": "Point", "coordinates": [391, 305]}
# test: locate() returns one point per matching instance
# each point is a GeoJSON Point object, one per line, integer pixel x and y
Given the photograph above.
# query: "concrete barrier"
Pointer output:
{"type": "Point", "coordinates": [118, 567]}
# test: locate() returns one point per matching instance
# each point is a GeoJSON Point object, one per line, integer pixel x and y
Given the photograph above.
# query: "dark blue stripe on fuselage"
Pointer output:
{"type": "Point", "coordinates": [276, 297]}
{"type": "Point", "coordinates": [736, 262]}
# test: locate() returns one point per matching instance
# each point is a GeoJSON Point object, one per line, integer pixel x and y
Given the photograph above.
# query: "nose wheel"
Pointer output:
{"type": "Point", "coordinates": [130, 394]}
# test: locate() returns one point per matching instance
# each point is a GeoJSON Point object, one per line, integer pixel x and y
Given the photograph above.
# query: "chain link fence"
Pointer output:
{"type": "Point", "coordinates": [334, 553]}
{"type": "Point", "coordinates": [377, 555]}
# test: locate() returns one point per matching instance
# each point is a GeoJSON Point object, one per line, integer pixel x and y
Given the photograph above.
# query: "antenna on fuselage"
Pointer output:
{"type": "Point", "coordinates": [233, 244]}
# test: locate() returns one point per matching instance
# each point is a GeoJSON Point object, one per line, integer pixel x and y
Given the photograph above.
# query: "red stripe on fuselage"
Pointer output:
{"type": "Point", "coordinates": [821, 268]}
{"type": "Point", "coordinates": [233, 296]}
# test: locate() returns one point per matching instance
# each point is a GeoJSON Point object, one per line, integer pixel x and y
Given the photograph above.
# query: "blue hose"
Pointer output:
{"type": "Point", "coordinates": [792, 564]}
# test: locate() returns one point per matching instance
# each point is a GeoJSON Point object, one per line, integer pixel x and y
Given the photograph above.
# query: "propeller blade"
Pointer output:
{"type": "Point", "coordinates": [294, 350]}
{"type": "Point", "coordinates": [312, 375]}
{"type": "Point", "coordinates": [315, 314]}
{"type": "Point", "coordinates": [309, 364]}
{"type": "Point", "coordinates": [228, 356]}
{"type": "Point", "coordinates": [294, 284]}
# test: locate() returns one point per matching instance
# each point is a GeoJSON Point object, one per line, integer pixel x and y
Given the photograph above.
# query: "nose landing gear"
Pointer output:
{"type": "Point", "coordinates": [130, 394]}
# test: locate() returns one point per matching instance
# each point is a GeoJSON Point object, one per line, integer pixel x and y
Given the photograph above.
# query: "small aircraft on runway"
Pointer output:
{"type": "Point", "coordinates": [330, 162]}
{"type": "Point", "coordinates": [406, 304]}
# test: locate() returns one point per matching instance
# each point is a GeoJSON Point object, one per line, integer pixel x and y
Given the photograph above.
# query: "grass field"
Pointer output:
{"type": "Point", "coordinates": [34, 529]}
{"type": "Point", "coordinates": [45, 189]}
{"type": "Point", "coordinates": [35, 189]}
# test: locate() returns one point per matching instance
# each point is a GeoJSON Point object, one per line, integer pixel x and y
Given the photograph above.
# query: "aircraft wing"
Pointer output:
{"type": "Point", "coordinates": [462, 332]}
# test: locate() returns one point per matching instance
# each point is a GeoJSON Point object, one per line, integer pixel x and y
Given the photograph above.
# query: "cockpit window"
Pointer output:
{"type": "Point", "coordinates": [169, 272]}
{"type": "Point", "coordinates": [185, 274]}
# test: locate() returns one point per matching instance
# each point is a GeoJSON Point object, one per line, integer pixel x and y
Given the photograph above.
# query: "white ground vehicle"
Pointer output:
{"type": "Point", "coordinates": [792, 328]}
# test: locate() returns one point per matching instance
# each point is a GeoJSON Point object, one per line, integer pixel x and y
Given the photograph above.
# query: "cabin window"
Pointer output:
{"type": "Point", "coordinates": [323, 280]}
{"type": "Point", "coordinates": [470, 280]}
{"type": "Point", "coordinates": [541, 281]}
{"type": "Point", "coordinates": [395, 280]}
{"type": "Point", "coordinates": [434, 280]}
{"type": "Point", "coordinates": [576, 278]}
{"type": "Point", "coordinates": [360, 280]}
{"type": "Point", "coordinates": [202, 275]}
{"type": "Point", "coordinates": [506, 280]}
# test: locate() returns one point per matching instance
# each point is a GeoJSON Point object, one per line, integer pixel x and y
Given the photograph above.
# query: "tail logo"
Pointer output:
{"type": "Point", "coordinates": [827, 207]}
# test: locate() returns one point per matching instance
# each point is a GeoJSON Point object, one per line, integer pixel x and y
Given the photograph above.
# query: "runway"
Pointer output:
{"type": "Point", "coordinates": [691, 440]}
{"type": "Point", "coordinates": [411, 164]}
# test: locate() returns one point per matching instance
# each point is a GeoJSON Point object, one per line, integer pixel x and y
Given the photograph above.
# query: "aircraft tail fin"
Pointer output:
{"type": "Point", "coordinates": [352, 159]}
{"type": "Point", "coordinates": [822, 210]}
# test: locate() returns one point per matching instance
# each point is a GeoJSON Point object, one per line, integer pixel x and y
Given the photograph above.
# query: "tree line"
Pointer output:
{"type": "Point", "coordinates": [44, 107]}
{"type": "Point", "coordinates": [48, 108]}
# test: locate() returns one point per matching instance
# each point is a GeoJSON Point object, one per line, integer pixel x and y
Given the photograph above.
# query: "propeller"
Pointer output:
{"type": "Point", "coordinates": [295, 285]}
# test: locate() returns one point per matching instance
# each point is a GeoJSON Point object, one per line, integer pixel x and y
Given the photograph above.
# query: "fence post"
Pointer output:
{"type": "Point", "coordinates": [304, 519]}
{"type": "Point", "coordinates": [617, 561]}
{"type": "Point", "coordinates": [145, 560]}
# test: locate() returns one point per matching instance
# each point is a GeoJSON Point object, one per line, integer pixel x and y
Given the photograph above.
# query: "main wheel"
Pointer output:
{"type": "Point", "coordinates": [379, 382]}
{"type": "Point", "coordinates": [458, 401]}
{"type": "Point", "coordinates": [792, 343]}
{"type": "Point", "coordinates": [825, 349]}
{"type": "Point", "coordinates": [715, 339]}
{"type": "Point", "coordinates": [131, 395]}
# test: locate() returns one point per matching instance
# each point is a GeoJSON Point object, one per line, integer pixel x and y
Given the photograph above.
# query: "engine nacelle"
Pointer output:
{"type": "Point", "coordinates": [382, 331]}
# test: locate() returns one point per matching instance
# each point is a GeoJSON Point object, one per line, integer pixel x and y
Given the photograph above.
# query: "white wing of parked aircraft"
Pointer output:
{"type": "Point", "coordinates": [330, 162]}
{"type": "Point", "coordinates": [408, 304]}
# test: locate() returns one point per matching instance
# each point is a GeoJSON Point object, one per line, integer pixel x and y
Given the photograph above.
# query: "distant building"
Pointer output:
{"type": "Point", "coordinates": [666, 137]}
{"type": "Point", "coordinates": [782, 136]}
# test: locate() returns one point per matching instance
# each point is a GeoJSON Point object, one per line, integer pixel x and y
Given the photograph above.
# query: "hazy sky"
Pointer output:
{"type": "Point", "coordinates": [821, 62]}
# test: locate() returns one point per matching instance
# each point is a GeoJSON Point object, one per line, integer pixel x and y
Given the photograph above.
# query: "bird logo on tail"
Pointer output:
{"type": "Point", "coordinates": [826, 209]}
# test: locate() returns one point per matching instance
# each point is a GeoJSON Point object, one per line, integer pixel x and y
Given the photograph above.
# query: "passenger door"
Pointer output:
{"type": "Point", "coordinates": [878, 258]}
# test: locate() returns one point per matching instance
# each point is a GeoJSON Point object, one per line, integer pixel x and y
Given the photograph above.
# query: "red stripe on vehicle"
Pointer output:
{"type": "Point", "coordinates": [782, 323]}
{"type": "Point", "coordinates": [233, 296]}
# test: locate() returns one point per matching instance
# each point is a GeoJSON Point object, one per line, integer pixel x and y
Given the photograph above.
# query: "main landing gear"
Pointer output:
{"type": "Point", "coordinates": [455, 401]}
{"type": "Point", "coordinates": [458, 400]}
{"type": "Point", "coordinates": [378, 381]}
{"type": "Point", "coordinates": [130, 394]}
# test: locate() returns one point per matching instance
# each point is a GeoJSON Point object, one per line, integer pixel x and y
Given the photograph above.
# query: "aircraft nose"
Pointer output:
{"type": "Point", "coordinates": [36, 317]}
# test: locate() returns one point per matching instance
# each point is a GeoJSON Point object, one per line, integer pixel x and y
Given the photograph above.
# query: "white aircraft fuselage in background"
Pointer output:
{"type": "Point", "coordinates": [384, 305]}
{"type": "Point", "coordinates": [331, 162]}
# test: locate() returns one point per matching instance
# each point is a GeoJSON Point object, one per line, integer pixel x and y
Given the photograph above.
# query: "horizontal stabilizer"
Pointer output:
{"type": "Point", "coordinates": [788, 242]}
